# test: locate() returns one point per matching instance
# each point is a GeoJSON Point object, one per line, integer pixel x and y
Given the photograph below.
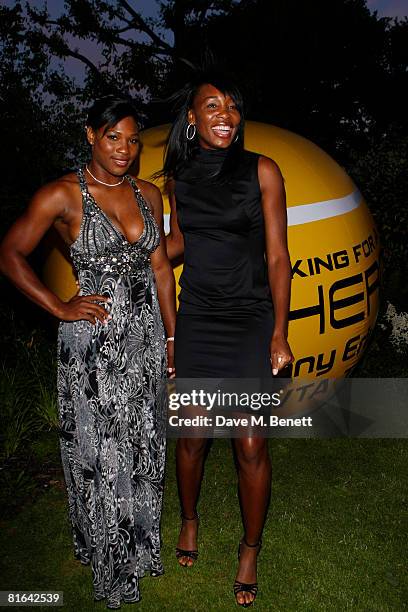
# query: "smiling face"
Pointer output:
{"type": "Point", "coordinates": [215, 116]}
{"type": "Point", "coordinates": [116, 148]}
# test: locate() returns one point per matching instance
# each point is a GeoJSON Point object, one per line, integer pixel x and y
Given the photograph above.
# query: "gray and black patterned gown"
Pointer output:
{"type": "Point", "coordinates": [112, 405]}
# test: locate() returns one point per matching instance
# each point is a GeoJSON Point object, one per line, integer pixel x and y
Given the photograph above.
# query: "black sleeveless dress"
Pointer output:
{"type": "Point", "coordinates": [225, 319]}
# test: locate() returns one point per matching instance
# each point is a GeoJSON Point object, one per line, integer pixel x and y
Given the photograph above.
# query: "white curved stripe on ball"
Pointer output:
{"type": "Point", "coordinates": [316, 211]}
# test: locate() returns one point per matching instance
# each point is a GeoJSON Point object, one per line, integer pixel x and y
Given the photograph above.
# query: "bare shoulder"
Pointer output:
{"type": "Point", "coordinates": [58, 193]}
{"type": "Point", "coordinates": [268, 169]}
{"type": "Point", "coordinates": [150, 192]}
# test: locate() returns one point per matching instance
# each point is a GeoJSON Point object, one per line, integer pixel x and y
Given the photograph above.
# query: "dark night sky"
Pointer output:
{"type": "Point", "coordinates": [389, 8]}
{"type": "Point", "coordinates": [385, 8]}
{"type": "Point", "coordinates": [74, 67]}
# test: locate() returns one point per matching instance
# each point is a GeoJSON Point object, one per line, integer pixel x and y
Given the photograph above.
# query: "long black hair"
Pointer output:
{"type": "Point", "coordinates": [109, 110]}
{"type": "Point", "coordinates": [179, 150]}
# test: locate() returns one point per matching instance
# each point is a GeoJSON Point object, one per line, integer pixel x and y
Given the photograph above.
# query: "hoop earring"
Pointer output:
{"type": "Point", "coordinates": [236, 138]}
{"type": "Point", "coordinates": [190, 136]}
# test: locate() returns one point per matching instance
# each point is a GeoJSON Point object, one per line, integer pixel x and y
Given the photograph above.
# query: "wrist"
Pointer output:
{"type": "Point", "coordinates": [57, 309]}
{"type": "Point", "coordinates": [280, 335]}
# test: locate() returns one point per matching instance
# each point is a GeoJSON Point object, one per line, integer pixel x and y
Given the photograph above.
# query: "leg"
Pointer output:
{"type": "Point", "coordinates": [190, 453]}
{"type": "Point", "coordinates": [254, 487]}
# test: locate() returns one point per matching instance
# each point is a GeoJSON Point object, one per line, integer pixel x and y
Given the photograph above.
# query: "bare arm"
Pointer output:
{"type": "Point", "coordinates": [277, 255]}
{"type": "Point", "coordinates": [163, 272]}
{"type": "Point", "coordinates": [174, 240]}
{"type": "Point", "coordinates": [48, 205]}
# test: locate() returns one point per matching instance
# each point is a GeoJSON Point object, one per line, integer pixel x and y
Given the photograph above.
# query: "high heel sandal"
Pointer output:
{"type": "Point", "coordinates": [181, 552]}
{"type": "Point", "coordinates": [246, 587]}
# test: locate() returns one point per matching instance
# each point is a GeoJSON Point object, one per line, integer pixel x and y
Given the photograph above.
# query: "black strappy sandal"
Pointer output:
{"type": "Point", "coordinates": [191, 554]}
{"type": "Point", "coordinates": [246, 587]}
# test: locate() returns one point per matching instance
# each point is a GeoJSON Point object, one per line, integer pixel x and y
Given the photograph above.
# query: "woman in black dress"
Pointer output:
{"type": "Point", "coordinates": [228, 217]}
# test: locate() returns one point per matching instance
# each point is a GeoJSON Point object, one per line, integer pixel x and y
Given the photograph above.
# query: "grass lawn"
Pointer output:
{"type": "Point", "coordinates": [335, 538]}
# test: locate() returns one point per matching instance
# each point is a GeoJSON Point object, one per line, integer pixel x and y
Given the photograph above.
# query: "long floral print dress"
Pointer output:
{"type": "Point", "coordinates": [112, 405]}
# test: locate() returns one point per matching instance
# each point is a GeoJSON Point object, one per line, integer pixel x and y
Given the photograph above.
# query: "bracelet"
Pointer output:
{"type": "Point", "coordinates": [170, 339]}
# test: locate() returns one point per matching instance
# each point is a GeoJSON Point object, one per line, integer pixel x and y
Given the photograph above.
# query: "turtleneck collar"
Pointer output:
{"type": "Point", "coordinates": [211, 155]}
{"type": "Point", "coordinates": [205, 166]}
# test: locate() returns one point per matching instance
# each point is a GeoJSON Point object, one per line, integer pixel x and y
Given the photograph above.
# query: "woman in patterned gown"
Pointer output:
{"type": "Point", "coordinates": [111, 348]}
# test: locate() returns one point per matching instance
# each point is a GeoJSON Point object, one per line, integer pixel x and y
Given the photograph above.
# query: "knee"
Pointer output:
{"type": "Point", "coordinates": [193, 448]}
{"type": "Point", "coordinates": [252, 452]}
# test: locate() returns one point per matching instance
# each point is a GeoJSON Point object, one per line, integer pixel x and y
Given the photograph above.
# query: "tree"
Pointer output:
{"type": "Point", "coordinates": [37, 124]}
{"type": "Point", "coordinates": [334, 72]}
{"type": "Point", "coordinates": [322, 69]}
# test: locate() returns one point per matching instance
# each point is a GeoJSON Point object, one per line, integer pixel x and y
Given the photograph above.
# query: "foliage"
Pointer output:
{"type": "Point", "coordinates": [17, 423]}
{"type": "Point", "coordinates": [27, 390]}
{"type": "Point", "coordinates": [327, 71]}
{"type": "Point", "coordinates": [39, 110]}
{"type": "Point", "coordinates": [384, 357]}
{"type": "Point", "coordinates": [28, 409]}
{"type": "Point", "coordinates": [381, 171]}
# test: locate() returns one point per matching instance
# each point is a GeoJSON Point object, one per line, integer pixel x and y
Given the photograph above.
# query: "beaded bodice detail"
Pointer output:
{"type": "Point", "coordinates": [102, 247]}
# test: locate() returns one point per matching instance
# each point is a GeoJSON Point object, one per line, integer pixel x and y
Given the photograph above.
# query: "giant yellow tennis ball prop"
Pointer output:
{"type": "Point", "coordinates": [333, 245]}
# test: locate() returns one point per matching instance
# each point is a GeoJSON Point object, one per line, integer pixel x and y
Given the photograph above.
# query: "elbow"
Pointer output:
{"type": "Point", "coordinates": [10, 259]}
{"type": "Point", "coordinates": [279, 260]}
{"type": "Point", "coordinates": [163, 271]}
{"type": "Point", "coordinates": [279, 268]}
